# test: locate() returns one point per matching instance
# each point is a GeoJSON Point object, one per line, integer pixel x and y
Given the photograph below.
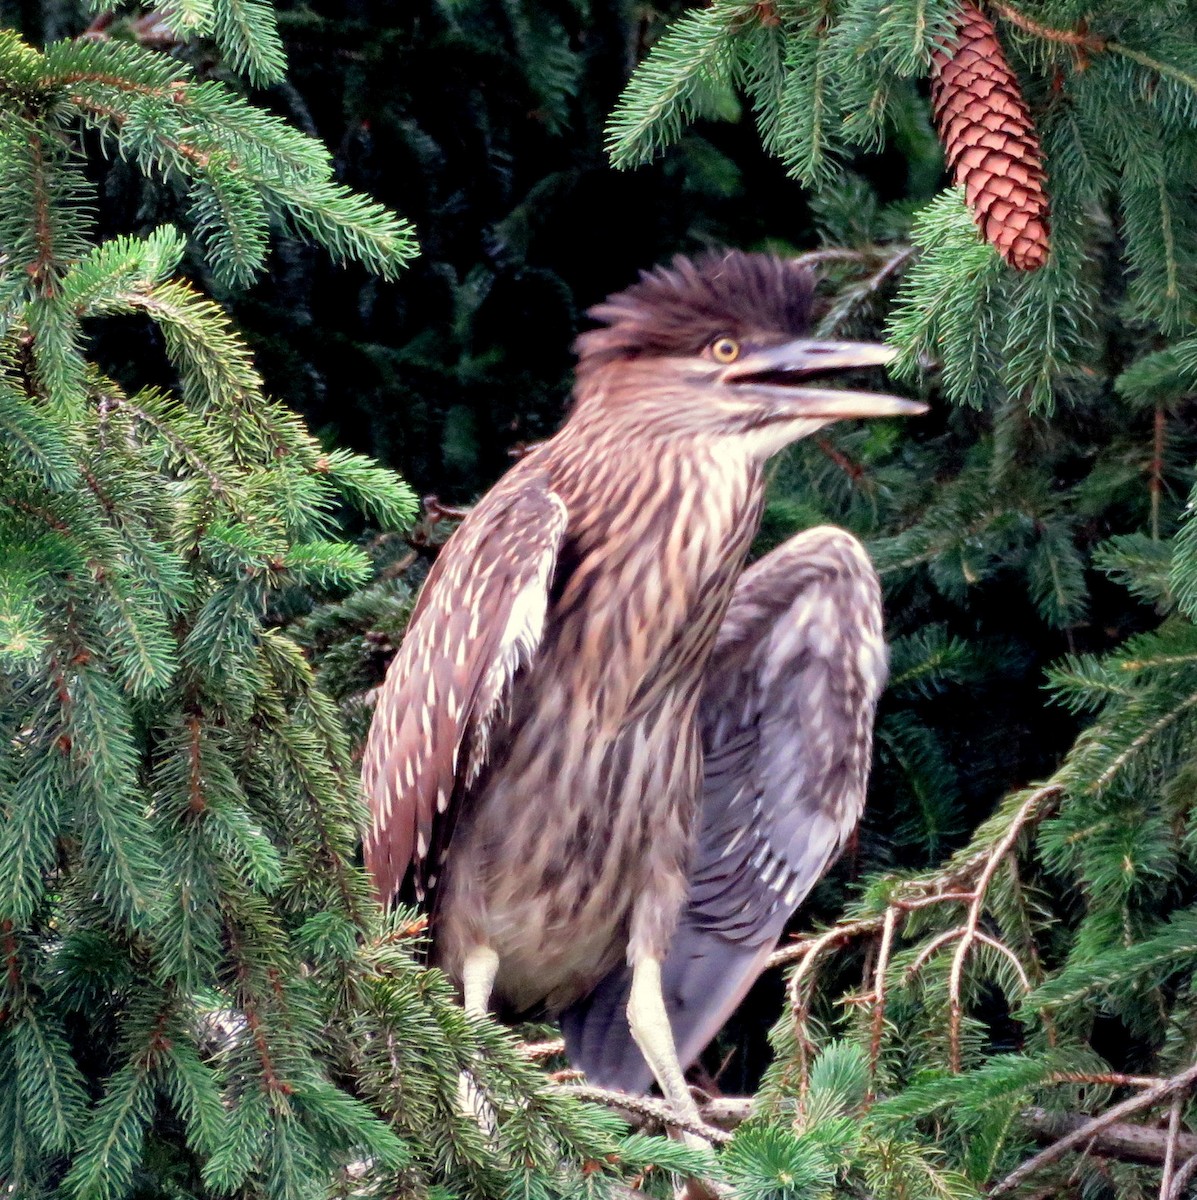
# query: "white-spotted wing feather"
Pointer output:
{"type": "Point", "coordinates": [478, 621]}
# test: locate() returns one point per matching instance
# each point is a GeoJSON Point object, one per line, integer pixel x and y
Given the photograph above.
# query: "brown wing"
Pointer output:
{"type": "Point", "coordinates": [478, 620]}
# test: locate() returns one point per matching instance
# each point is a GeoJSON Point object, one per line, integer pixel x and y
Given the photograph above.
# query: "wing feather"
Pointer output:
{"type": "Point", "coordinates": [787, 724]}
{"type": "Point", "coordinates": [478, 621]}
{"type": "Point", "coordinates": [787, 721]}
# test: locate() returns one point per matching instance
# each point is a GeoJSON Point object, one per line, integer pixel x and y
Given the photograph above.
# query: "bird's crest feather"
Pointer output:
{"type": "Point", "coordinates": [678, 309]}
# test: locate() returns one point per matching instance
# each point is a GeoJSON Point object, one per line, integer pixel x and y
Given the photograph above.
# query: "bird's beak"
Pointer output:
{"type": "Point", "coordinates": [787, 373]}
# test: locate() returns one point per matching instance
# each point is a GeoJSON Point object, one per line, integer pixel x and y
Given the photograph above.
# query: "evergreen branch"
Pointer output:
{"type": "Point", "coordinates": [193, 1087]}
{"type": "Point", "coordinates": [118, 845]}
{"type": "Point", "coordinates": [1080, 39]}
{"type": "Point", "coordinates": [111, 63]}
{"type": "Point", "coordinates": [186, 152]}
{"type": "Point", "coordinates": [252, 1006]}
{"type": "Point", "coordinates": [1153, 64]}
{"type": "Point", "coordinates": [106, 1167]}
{"type": "Point", "coordinates": [1172, 291]}
{"type": "Point", "coordinates": [247, 31]}
{"type": "Point", "coordinates": [252, 136]}
{"type": "Point", "coordinates": [198, 333]}
{"type": "Point", "coordinates": [41, 270]}
{"type": "Point", "coordinates": [34, 442]}
{"type": "Point", "coordinates": [56, 1093]}
{"type": "Point", "coordinates": [1094, 1126]}
{"type": "Point", "coordinates": [1083, 40]}
{"type": "Point", "coordinates": [1156, 662]}
{"type": "Point", "coordinates": [666, 90]}
{"type": "Point", "coordinates": [241, 160]}
{"type": "Point", "coordinates": [349, 225]}
{"type": "Point", "coordinates": [279, 656]}
{"type": "Point", "coordinates": [807, 107]}
{"type": "Point", "coordinates": [229, 217]}
{"type": "Point", "coordinates": [1143, 739]}
{"type": "Point", "coordinates": [1159, 951]}
{"type": "Point", "coordinates": [185, 447]}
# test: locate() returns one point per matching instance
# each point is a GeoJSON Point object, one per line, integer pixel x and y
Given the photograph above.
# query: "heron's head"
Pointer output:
{"type": "Point", "coordinates": [722, 345]}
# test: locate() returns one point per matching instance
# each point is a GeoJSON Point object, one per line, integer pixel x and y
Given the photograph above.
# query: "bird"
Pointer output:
{"type": "Point", "coordinates": [609, 758]}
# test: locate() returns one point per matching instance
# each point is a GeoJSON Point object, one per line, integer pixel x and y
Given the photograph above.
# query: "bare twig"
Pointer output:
{"type": "Point", "coordinates": [852, 299]}
{"type": "Point", "coordinates": [1121, 1140]}
{"type": "Point", "coordinates": [808, 953]}
{"type": "Point", "coordinates": [935, 898]}
{"type": "Point", "coordinates": [1174, 1114]}
{"type": "Point", "coordinates": [1087, 1131]}
{"type": "Point", "coordinates": [883, 954]}
{"type": "Point", "coordinates": [972, 922]}
{"type": "Point", "coordinates": [1079, 39]}
{"type": "Point", "coordinates": [842, 254]}
{"type": "Point", "coordinates": [1104, 1079]}
{"type": "Point", "coordinates": [646, 1109]}
{"type": "Point", "coordinates": [810, 945]}
{"type": "Point", "coordinates": [1002, 948]}
{"type": "Point", "coordinates": [1180, 1181]}
{"type": "Point", "coordinates": [539, 1051]}
{"type": "Point", "coordinates": [1155, 481]}
{"type": "Point", "coordinates": [849, 466]}
{"type": "Point", "coordinates": [948, 888]}
{"type": "Point", "coordinates": [931, 948]}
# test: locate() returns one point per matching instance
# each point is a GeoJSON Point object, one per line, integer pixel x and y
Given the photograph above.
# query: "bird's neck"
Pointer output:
{"type": "Point", "coordinates": [656, 540]}
{"type": "Point", "coordinates": [696, 499]}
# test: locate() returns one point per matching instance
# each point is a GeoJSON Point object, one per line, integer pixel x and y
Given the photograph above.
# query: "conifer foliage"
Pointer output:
{"type": "Point", "coordinates": [176, 795]}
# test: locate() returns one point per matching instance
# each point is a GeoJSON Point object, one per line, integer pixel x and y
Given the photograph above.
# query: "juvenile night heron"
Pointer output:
{"type": "Point", "coordinates": [615, 760]}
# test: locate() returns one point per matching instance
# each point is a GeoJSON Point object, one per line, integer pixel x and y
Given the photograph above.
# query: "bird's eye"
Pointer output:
{"type": "Point", "coordinates": [725, 349]}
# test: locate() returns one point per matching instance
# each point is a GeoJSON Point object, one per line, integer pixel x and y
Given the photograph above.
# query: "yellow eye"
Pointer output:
{"type": "Point", "coordinates": [725, 349]}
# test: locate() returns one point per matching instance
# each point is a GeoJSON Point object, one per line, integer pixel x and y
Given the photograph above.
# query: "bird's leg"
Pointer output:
{"type": "Point", "coordinates": [477, 980]}
{"type": "Point", "coordinates": [649, 1023]}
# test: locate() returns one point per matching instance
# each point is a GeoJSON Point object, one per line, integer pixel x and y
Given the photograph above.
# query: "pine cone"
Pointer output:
{"type": "Point", "coordinates": [989, 140]}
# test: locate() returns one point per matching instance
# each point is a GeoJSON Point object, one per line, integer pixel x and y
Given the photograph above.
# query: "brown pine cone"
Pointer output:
{"type": "Point", "coordinates": [989, 140]}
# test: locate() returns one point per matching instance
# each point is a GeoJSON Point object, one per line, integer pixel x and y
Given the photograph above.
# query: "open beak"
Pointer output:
{"type": "Point", "coordinates": [790, 373]}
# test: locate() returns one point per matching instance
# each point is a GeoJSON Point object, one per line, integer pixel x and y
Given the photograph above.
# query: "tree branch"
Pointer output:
{"type": "Point", "coordinates": [1088, 1129]}
{"type": "Point", "coordinates": [1103, 1135]}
